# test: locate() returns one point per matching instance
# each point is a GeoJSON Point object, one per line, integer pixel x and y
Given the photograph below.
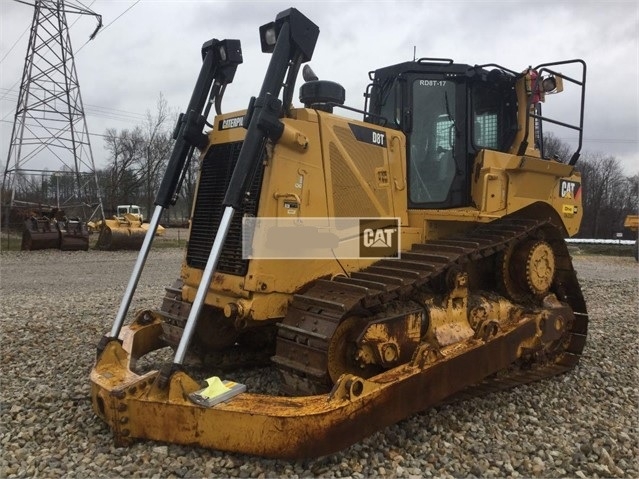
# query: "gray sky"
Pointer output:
{"type": "Point", "coordinates": [155, 47]}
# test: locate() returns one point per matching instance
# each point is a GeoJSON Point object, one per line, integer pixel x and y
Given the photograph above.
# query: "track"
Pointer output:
{"type": "Point", "coordinates": [305, 334]}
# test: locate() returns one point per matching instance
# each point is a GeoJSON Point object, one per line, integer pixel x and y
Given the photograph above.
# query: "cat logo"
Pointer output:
{"type": "Point", "coordinates": [228, 123]}
{"type": "Point", "coordinates": [379, 237]}
{"type": "Point", "coordinates": [569, 189]}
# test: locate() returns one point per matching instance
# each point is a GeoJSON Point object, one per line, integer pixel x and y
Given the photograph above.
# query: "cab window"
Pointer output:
{"type": "Point", "coordinates": [494, 116]}
{"type": "Point", "coordinates": [432, 165]}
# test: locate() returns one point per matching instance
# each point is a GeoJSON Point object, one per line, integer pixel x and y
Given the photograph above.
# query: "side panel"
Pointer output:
{"type": "Point", "coordinates": [366, 172]}
{"type": "Point", "coordinates": [300, 182]}
{"type": "Point", "coordinates": [504, 184]}
{"type": "Point", "coordinates": [358, 176]}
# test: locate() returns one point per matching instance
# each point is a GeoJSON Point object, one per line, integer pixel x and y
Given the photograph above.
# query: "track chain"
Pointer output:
{"type": "Point", "coordinates": [312, 318]}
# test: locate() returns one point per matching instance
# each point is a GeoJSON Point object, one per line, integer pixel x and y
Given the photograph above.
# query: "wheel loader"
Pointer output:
{"type": "Point", "coordinates": [453, 278]}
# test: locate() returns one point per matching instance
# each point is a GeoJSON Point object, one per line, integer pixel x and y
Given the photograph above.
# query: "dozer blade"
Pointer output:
{"type": "Point", "coordinates": [74, 236]}
{"type": "Point", "coordinates": [39, 233]}
{"type": "Point", "coordinates": [116, 237]}
{"type": "Point", "coordinates": [293, 427]}
{"type": "Point", "coordinates": [159, 232]}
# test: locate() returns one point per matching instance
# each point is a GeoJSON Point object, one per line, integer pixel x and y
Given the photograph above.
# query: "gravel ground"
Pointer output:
{"type": "Point", "coordinates": [55, 306]}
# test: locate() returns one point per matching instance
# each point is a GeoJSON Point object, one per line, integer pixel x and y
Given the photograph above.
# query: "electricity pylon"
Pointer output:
{"type": "Point", "coordinates": [50, 140]}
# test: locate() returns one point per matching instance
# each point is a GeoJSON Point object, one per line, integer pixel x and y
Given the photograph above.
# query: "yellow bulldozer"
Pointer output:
{"type": "Point", "coordinates": [381, 265]}
{"type": "Point", "coordinates": [125, 230]}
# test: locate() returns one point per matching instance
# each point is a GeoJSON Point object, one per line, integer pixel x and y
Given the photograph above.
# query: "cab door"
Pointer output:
{"type": "Point", "coordinates": [437, 156]}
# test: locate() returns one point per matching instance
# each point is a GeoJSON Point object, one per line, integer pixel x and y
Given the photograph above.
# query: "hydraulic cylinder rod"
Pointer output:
{"type": "Point", "coordinates": [296, 33]}
{"type": "Point", "coordinates": [137, 271]}
{"type": "Point", "coordinates": [220, 60]}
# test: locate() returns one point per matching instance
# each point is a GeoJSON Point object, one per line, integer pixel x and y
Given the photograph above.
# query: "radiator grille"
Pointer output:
{"type": "Point", "coordinates": [349, 192]}
{"type": "Point", "coordinates": [215, 175]}
{"type": "Point", "coordinates": [349, 197]}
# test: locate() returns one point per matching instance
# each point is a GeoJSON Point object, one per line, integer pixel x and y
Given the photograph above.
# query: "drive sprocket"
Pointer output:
{"type": "Point", "coordinates": [527, 268]}
{"type": "Point", "coordinates": [540, 267]}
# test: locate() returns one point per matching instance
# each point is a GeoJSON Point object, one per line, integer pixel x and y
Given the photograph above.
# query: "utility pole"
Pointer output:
{"type": "Point", "coordinates": [50, 135]}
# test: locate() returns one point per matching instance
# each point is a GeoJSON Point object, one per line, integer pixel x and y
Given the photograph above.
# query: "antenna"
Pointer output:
{"type": "Point", "coordinates": [50, 149]}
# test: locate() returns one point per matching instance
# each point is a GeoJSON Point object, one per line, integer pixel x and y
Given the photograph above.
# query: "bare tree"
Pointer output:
{"type": "Point", "coordinates": [138, 159]}
{"type": "Point", "coordinates": [605, 196]}
{"type": "Point", "coordinates": [157, 148]}
{"type": "Point", "coordinates": [123, 181]}
{"type": "Point", "coordinates": [557, 149]}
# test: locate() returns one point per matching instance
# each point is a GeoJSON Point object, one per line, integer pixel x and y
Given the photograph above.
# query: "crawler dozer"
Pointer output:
{"type": "Point", "coordinates": [454, 279]}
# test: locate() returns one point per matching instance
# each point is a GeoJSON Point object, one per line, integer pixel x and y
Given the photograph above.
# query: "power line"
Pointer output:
{"type": "Point", "coordinates": [90, 134]}
{"type": "Point", "coordinates": [108, 25]}
{"type": "Point", "coordinates": [95, 110]}
{"type": "Point", "coordinates": [14, 45]}
{"type": "Point", "coordinates": [27, 29]}
{"type": "Point", "coordinates": [78, 50]}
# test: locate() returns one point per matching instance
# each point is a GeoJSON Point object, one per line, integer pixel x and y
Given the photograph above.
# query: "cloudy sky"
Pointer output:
{"type": "Point", "coordinates": [148, 47]}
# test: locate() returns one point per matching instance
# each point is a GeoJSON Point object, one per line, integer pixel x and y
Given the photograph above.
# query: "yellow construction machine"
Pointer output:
{"type": "Point", "coordinates": [632, 223]}
{"type": "Point", "coordinates": [381, 266]}
{"type": "Point", "coordinates": [125, 230]}
{"type": "Point", "coordinates": [120, 232]}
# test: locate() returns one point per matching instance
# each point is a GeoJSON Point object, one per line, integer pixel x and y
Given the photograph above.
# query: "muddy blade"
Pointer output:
{"type": "Point", "coordinates": [35, 240]}
{"type": "Point", "coordinates": [287, 427]}
{"type": "Point", "coordinates": [120, 237]}
{"type": "Point", "coordinates": [74, 238]}
{"type": "Point", "coordinates": [39, 233]}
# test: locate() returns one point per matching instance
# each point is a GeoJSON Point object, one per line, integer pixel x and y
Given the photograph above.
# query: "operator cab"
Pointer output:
{"type": "Point", "coordinates": [448, 112]}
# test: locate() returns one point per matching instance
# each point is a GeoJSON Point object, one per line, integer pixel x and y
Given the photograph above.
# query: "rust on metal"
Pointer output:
{"type": "Point", "coordinates": [121, 233]}
{"type": "Point", "coordinates": [288, 427]}
{"type": "Point", "coordinates": [390, 346]}
{"type": "Point", "coordinates": [299, 353]}
{"type": "Point", "coordinates": [40, 233]}
{"type": "Point", "coordinates": [55, 233]}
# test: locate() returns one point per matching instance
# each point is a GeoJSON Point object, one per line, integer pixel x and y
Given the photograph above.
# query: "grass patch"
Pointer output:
{"type": "Point", "coordinates": [10, 242]}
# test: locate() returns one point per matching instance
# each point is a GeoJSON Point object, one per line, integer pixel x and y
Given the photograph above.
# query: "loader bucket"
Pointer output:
{"type": "Point", "coordinates": [74, 235]}
{"type": "Point", "coordinates": [118, 234]}
{"type": "Point", "coordinates": [40, 233]}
